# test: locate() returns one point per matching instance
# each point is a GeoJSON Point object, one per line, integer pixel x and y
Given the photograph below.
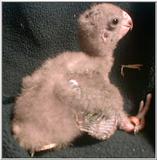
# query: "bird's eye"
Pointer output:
{"type": "Point", "coordinates": [115, 21]}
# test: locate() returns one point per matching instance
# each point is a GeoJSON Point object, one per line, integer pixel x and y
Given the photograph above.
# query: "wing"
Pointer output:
{"type": "Point", "coordinates": [86, 90]}
{"type": "Point", "coordinates": [96, 124]}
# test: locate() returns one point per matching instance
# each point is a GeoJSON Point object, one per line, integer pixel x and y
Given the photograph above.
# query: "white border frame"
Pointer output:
{"type": "Point", "coordinates": [80, 1]}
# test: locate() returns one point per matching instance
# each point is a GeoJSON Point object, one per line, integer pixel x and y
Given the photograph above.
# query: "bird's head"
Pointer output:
{"type": "Point", "coordinates": [101, 27]}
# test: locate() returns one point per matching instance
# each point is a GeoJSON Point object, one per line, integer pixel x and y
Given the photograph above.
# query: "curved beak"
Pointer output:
{"type": "Point", "coordinates": [127, 22]}
{"type": "Point", "coordinates": [126, 25]}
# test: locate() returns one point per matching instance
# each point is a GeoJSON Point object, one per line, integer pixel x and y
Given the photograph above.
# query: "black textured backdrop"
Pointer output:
{"type": "Point", "coordinates": [34, 31]}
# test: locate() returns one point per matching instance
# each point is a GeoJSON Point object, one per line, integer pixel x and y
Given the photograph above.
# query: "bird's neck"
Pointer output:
{"type": "Point", "coordinates": [107, 62]}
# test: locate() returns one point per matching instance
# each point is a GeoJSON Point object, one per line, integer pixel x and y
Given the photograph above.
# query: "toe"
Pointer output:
{"type": "Point", "coordinates": [46, 147]}
{"type": "Point", "coordinates": [134, 120]}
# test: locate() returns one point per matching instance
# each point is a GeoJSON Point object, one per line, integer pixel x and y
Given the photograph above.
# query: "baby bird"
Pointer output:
{"type": "Point", "coordinates": [72, 93]}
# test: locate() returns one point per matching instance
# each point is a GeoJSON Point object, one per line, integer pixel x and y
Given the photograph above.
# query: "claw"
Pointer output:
{"type": "Point", "coordinates": [139, 119]}
{"type": "Point", "coordinates": [46, 147]}
{"type": "Point", "coordinates": [32, 153]}
{"type": "Point", "coordinates": [143, 109]}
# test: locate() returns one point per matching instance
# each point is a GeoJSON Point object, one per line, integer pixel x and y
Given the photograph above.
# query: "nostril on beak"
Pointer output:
{"type": "Point", "coordinates": [130, 24]}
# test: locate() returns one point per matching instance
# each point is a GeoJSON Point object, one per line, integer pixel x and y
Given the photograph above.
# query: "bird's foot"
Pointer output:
{"type": "Point", "coordinates": [43, 148]}
{"type": "Point", "coordinates": [139, 120]}
{"type": "Point", "coordinates": [132, 66]}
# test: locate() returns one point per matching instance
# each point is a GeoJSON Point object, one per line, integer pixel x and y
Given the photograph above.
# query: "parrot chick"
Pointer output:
{"type": "Point", "coordinates": [72, 93]}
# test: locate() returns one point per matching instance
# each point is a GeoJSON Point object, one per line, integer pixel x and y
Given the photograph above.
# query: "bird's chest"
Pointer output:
{"type": "Point", "coordinates": [87, 77]}
{"type": "Point", "coordinates": [91, 85]}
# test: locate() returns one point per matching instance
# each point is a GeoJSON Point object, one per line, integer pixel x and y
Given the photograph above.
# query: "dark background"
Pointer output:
{"type": "Point", "coordinates": [32, 32]}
